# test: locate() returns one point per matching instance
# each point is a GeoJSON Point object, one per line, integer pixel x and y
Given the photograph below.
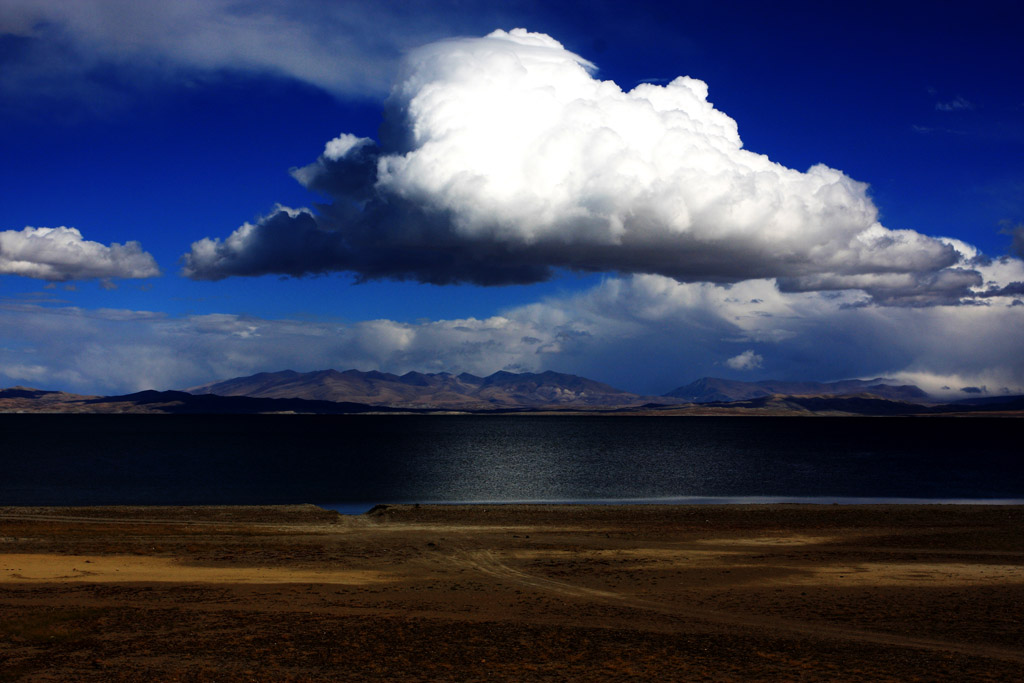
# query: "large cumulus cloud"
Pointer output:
{"type": "Point", "coordinates": [504, 158]}
{"type": "Point", "coordinates": [62, 254]}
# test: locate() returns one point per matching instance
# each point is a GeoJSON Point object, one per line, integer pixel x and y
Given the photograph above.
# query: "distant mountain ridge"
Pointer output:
{"type": "Point", "coordinates": [715, 390]}
{"type": "Point", "coordinates": [330, 392]}
{"type": "Point", "coordinates": [508, 390]}
{"type": "Point", "coordinates": [445, 391]}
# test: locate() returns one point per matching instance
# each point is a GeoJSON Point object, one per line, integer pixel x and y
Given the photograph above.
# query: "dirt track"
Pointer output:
{"type": "Point", "coordinates": [513, 592]}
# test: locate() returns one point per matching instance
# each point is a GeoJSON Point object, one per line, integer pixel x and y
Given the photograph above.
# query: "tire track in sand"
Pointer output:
{"type": "Point", "coordinates": [488, 562]}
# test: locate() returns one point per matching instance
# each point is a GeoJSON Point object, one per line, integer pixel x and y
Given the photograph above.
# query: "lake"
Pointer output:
{"type": "Point", "coordinates": [353, 462]}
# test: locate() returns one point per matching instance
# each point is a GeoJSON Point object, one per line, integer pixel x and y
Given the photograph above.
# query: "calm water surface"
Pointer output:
{"type": "Point", "coordinates": [353, 462]}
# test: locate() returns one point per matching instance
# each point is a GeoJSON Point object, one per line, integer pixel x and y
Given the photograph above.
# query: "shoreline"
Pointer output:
{"type": "Point", "coordinates": [351, 508]}
{"type": "Point", "coordinates": [513, 592]}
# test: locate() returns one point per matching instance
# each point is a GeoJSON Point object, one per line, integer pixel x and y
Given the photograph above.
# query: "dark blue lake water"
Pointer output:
{"type": "Point", "coordinates": [353, 462]}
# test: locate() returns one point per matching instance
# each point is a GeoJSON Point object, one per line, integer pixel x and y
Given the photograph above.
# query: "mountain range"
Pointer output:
{"type": "Point", "coordinates": [509, 390]}
{"type": "Point", "coordinates": [713, 389]}
{"type": "Point", "coordinates": [437, 391]}
{"type": "Point", "coordinates": [352, 391]}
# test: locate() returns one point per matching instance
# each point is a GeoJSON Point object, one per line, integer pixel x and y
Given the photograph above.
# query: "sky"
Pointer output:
{"type": "Point", "coordinates": [638, 193]}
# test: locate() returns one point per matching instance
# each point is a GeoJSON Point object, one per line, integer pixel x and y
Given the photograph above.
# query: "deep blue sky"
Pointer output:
{"type": "Point", "coordinates": [140, 141]}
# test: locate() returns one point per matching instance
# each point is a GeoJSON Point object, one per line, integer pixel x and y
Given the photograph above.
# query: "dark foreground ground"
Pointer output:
{"type": "Point", "coordinates": [513, 593]}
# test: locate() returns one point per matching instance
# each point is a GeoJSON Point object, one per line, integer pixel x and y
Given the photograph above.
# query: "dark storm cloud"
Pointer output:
{"type": "Point", "coordinates": [1016, 233]}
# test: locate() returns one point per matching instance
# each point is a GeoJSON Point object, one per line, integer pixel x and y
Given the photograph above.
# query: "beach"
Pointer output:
{"type": "Point", "coordinates": [513, 592]}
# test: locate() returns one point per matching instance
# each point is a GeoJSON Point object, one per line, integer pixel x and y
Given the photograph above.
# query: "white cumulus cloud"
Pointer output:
{"type": "Point", "coordinates": [748, 360]}
{"type": "Point", "coordinates": [62, 254]}
{"type": "Point", "coordinates": [504, 158]}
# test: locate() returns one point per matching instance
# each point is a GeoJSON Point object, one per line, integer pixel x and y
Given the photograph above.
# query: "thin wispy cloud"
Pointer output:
{"type": "Point", "coordinates": [958, 103]}
{"type": "Point", "coordinates": [928, 130]}
{"type": "Point", "coordinates": [92, 50]}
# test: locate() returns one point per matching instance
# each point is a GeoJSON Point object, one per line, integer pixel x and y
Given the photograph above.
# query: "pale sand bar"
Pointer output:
{"type": "Point", "coordinates": [524, 592]}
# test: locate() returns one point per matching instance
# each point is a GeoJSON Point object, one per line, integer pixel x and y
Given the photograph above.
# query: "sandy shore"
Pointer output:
{"type": "Point", "coordinates": [775, 592]}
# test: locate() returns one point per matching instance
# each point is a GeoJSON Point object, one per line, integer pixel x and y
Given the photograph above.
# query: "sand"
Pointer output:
{"type": "Point", "coordinates": [774, 592]}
